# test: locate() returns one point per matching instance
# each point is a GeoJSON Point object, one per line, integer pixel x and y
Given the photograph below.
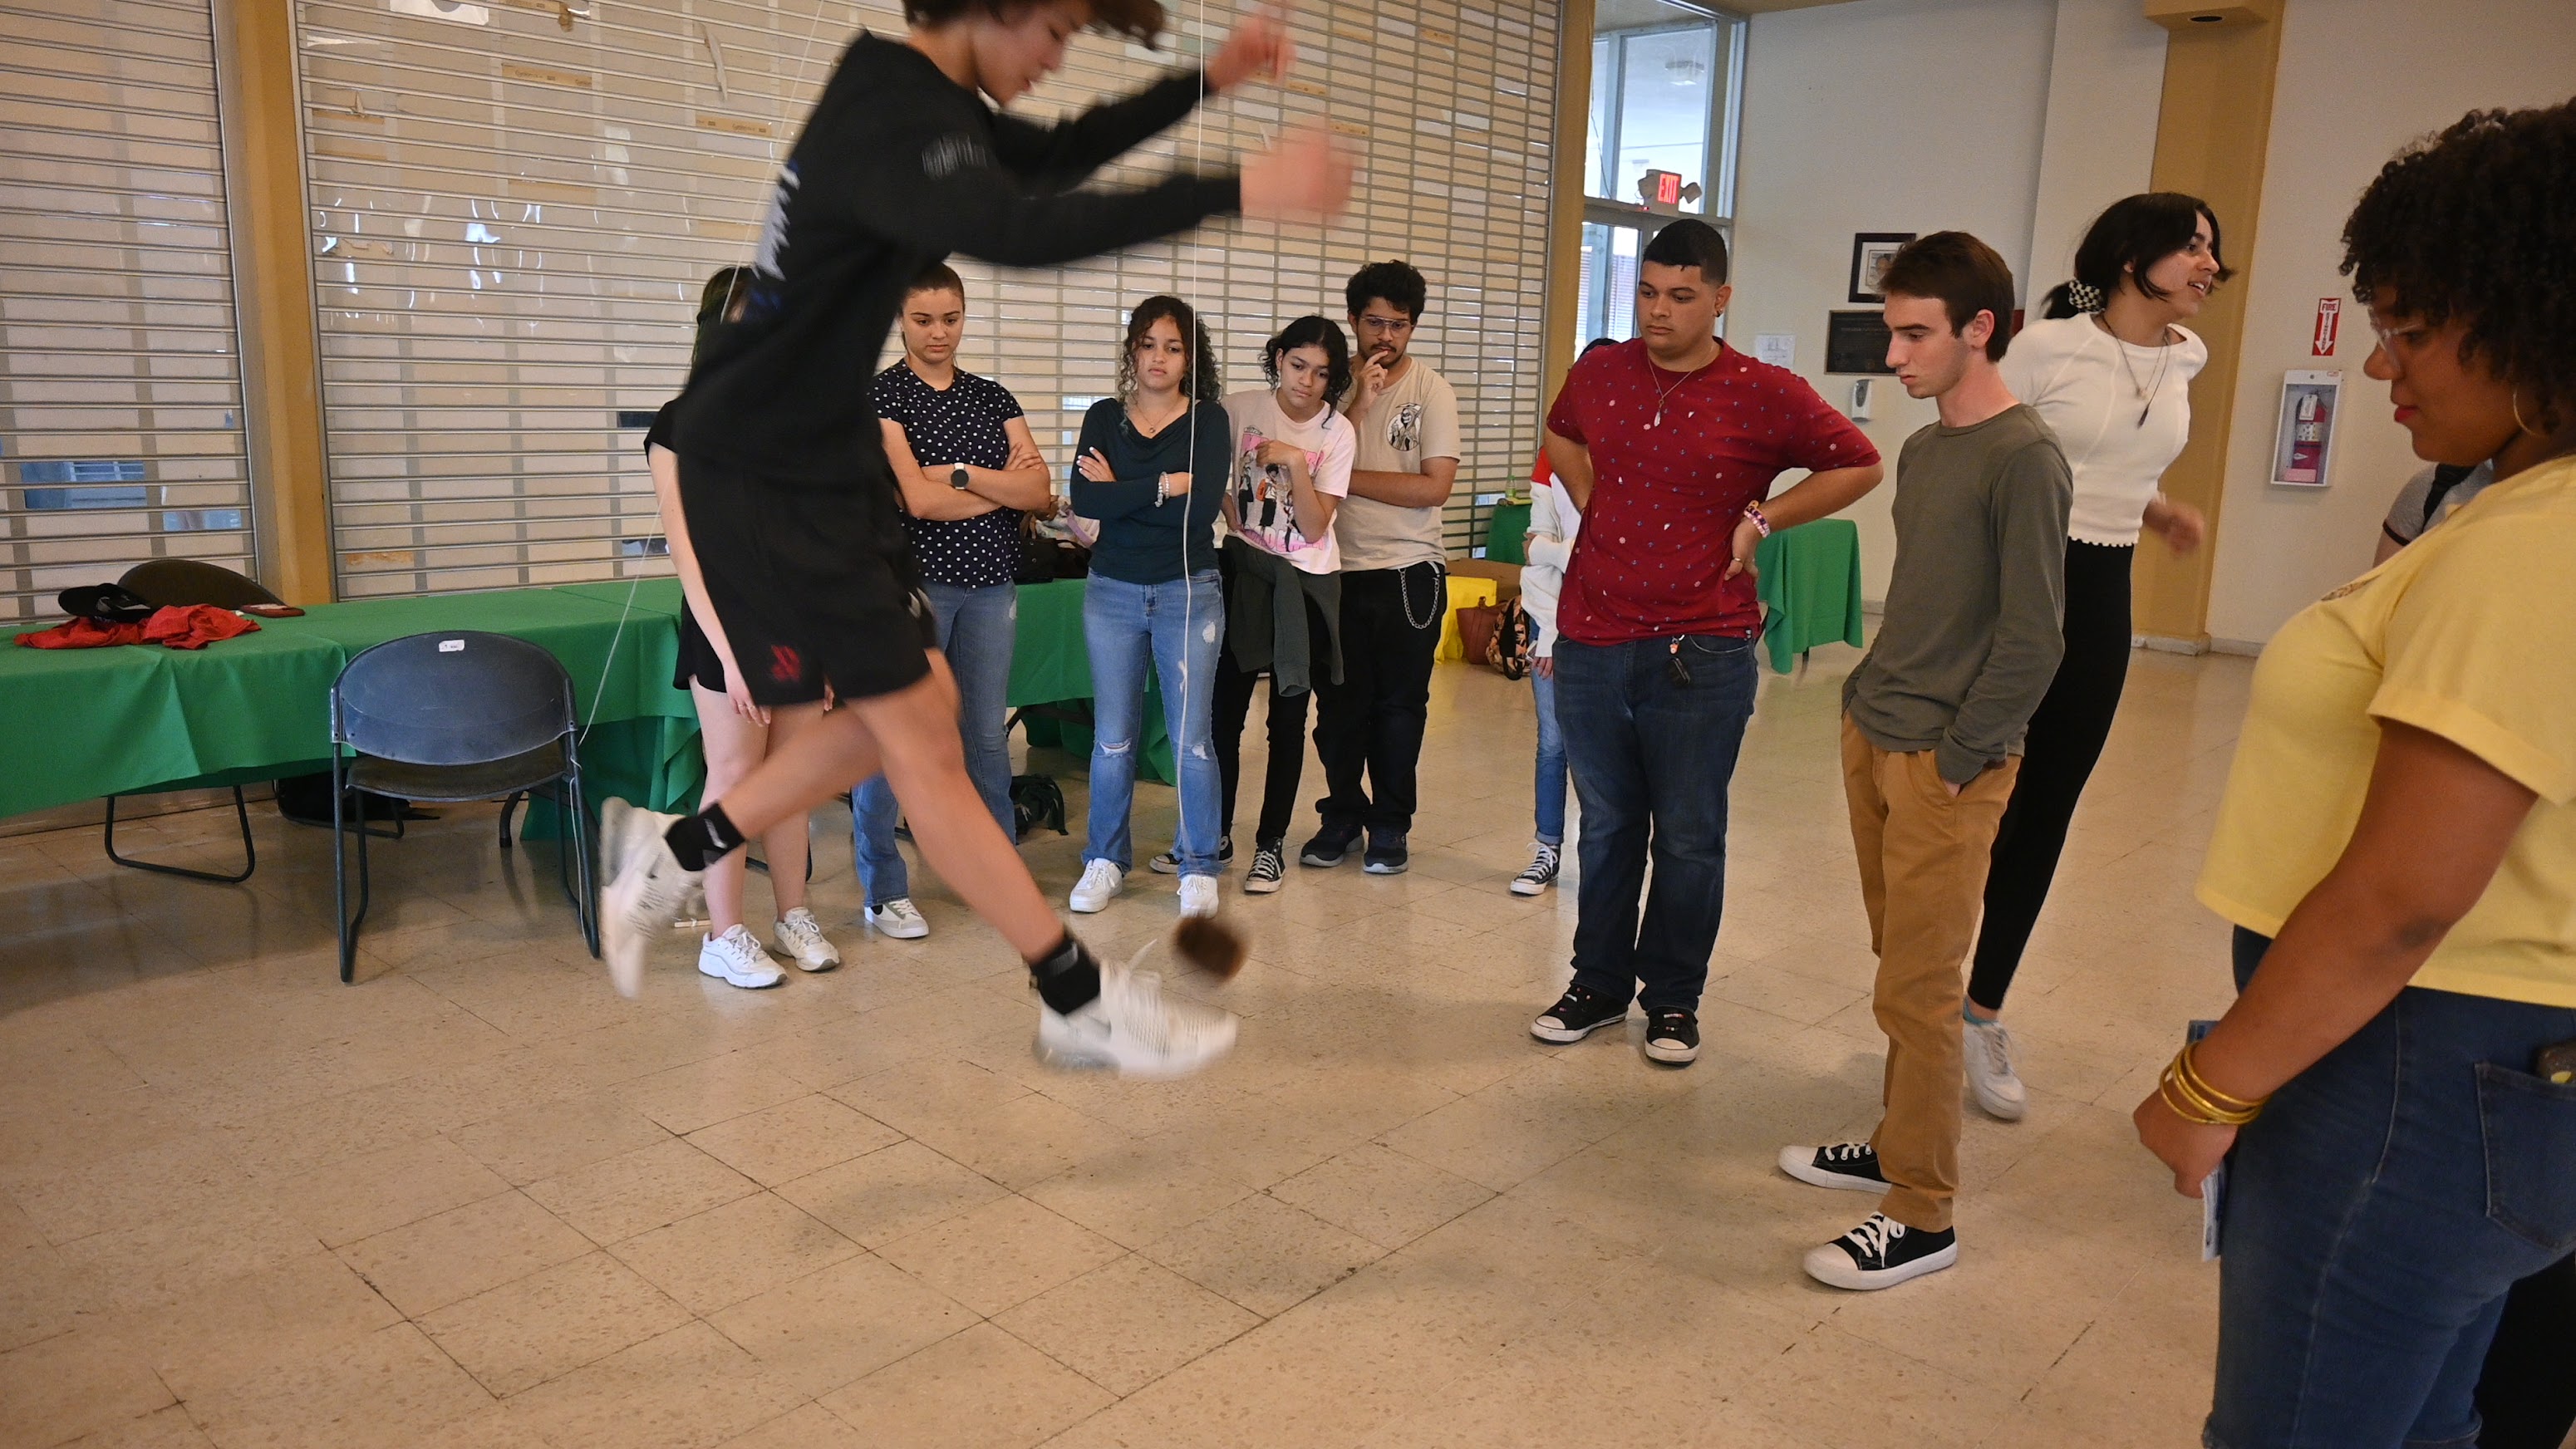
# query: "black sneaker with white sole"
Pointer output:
{"type": "Point", "coordinates": [1386, 853]}
{"type": "Point", "coordinates": [1269, 866]}
{"type": "Point", "coordinates": [1169, 862]}
{"type": "Point", "coordinates": [1672, 1035]}
{"type": "Point", "coordinates": [1882, 1253]}
{"type": "Point", "coordinates": [1852, 1166]}
{"type": "Point", "coordinates": [1577, 1014]}
{"type": "Point", "coordinates": [1329, 845]}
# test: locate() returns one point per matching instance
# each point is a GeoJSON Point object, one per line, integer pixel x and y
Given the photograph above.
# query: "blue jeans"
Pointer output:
{"type": "Point", "coordinates": [1551, 763]}
{"type": "Point", "coordinates": [2377, 1213]}
{"type": "Point", "coordinates": [1652, 756]}
{"type": "Point", "coordinates": [1127, 626]}
{"type": "Point", "coordinates": [976, 629]}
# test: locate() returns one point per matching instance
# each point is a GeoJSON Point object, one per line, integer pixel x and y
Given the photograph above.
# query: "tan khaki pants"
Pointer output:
{"type": "Point", "coordinates": [1922, 876]}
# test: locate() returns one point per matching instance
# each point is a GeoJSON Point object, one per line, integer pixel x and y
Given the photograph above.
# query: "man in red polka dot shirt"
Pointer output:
{"type": "Point", "coordinates": [1670, 444]}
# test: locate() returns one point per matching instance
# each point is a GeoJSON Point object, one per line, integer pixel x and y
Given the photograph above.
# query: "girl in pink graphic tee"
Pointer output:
{"type": "Point", "coordinates": [1293, 452]}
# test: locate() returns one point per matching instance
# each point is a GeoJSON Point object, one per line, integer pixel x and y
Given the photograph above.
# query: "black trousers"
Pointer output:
{"type": "Point", "coordinates": [1368, 728]}
{"type": "Point", "coordinates": [2065, 742]}
{"type": "Point", "coordinates": [2526, 1393]}
{"type": "Point", "coordinates": [1234, 690]}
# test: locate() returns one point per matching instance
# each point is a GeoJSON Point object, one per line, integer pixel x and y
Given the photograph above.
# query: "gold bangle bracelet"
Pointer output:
{"type": "Point", "coordinates": [2187, 1062]}
{"type": "Point", "coordinates": [2176, 1097]}
{"type": "Point", "coordinates": [2214, 1104]}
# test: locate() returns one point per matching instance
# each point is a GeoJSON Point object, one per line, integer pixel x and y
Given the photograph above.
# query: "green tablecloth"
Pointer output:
{"type": "Point", "coordinates": [1506, 529]}
{"type": "Point", "coordinates": [1810, 585]}
{"type": "Point", "coordinates": [81, 724]}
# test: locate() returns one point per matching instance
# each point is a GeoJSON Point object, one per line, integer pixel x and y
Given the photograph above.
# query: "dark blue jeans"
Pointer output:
{"type": "Point", "coordinates": [1652, 758]}
{"type": "Point", "coordinates": [2377, 1214]}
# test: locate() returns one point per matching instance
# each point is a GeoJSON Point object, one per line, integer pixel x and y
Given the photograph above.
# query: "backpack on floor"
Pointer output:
{"type": "Point", "coordinates": [1498, 636]}
{"type": "Point", "coordinates": [1036, 802]}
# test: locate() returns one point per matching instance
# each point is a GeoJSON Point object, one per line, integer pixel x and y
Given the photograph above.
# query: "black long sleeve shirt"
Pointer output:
{"type": "Point", "coordinates": [897, 168]}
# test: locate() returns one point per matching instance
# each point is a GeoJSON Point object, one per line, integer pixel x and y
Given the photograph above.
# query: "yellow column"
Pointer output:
{"type": "Point", "coordinates": [2211, 135]}
{"type": "Point", "coordinates": [273, 294]}
{"type": "Point", "coordinates": [1565, 209]}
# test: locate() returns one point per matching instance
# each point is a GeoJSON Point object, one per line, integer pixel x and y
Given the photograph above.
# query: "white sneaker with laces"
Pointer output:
{"type": "Point", "coordinates": [800, 939]}
{"type": "Point", "coordinates": [1198, 895]}
{"type": "Point", "coordinates": [900, 919]}
{"type": "Point", "coordinates": [1100, 884]}
{"type": "Point", "coordinates": [1130, 1029]}
{"type": "Point", "coordinates": [735, 959]}
{"type": "Point", "coordinates": [1991, 1077]}
{"type": "Point", "coordinates": [645, 888]}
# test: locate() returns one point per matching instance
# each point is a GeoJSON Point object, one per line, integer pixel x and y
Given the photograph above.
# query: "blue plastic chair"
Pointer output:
{"type": "Point", "coordinates": [450, 718]}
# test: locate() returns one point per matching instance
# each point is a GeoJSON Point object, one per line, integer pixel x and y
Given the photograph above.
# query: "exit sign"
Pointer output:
{"type": "Point", "coordinates": [1663, 188]}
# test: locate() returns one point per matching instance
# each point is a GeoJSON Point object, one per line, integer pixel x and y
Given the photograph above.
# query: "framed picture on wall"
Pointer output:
{"type": "Point", "coordinates": [1856, 343]}
{"type": "Point", "coordinates": [1871, 252]}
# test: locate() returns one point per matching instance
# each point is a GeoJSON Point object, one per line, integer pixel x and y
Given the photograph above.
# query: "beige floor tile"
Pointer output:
{"type": "Point", "coordinates": [688, 1388]}
{"type": "Point", "coordinates": [702, 1094]}
{"type": "Point", "coordinates": [740, 1250]}
{"type": "Point", "coordinates": [1021, 1142]}
{"type": "Point", "coordinates": [808, 1426]}
{"type": "Point", "coordinates": [1263, 1254]}
{"type": "Point", "coordinates": [888, 1193]}
{"type": "Point", "coordinates": [169, 1428]}
{"type": "Point", "coordinates": [442, 1259]}
{"type": "Point", "coordinates": [614, 1200]}
{"type": "Point", "coordinates": [390, 1387]}
{"type": "Point", "coordinates": [793, 1139]}
{"type": "Point", "coordinates": [368, 1195]}
{"type": "Point", "coordinates": [559, 1137]}
{"type": "Point", "coordinates": [1381, 1194]}
{"type": "Point", "coordinates": [841, 1324]}
{"type": "Point", "coordinates": [73, 1384]}
{"type": "Point", "coordinates": [1005, 1252]}
{"type": "Point", "coordinates": [1808, 1391]}
{"type": "Point", "coordinates": [131, 1190]}
{"type": "Point", "coordinates": [163, 1261]}
{"type": "Point", "coordinates": [246, 1326]}
{"type": "Point", "coordinates": [519, 1335]}
{"type": "Point", "coordinates": [980, 1389]}
{"type": "Point", "coordinates": [1137, 1193]}
{"type": "Point", "coordinates": [41, 1294]}
{"type": "Point", "coordinates": [1127, 1324]}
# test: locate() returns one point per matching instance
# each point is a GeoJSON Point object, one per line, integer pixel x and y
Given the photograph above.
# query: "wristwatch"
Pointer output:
{"type": "Point", "coordinates": [957, 477]}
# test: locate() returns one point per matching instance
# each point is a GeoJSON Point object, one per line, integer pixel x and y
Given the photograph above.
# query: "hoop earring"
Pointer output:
{"type": "Point", "coordinates": [2513, 399]}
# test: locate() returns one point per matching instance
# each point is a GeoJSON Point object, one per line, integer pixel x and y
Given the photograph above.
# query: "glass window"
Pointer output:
{"type": "Point", "coordinates": [1663, 107]}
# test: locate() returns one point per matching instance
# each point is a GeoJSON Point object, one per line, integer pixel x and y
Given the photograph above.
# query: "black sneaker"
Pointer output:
{"type": "Point", "coordinates": [1577, 1014]}
{"type": "Point", "coordinates": [1882, 1253]}
{"type": "Point", "coordinates": [1386, 853]}
{"type": "Point", "coordinates": [1269, 865]}
{"type": "Point", "coordinates": [1169, 862]}
{"type": "Point", "coordinates": [1329, 845]}
{"type": "Point", "coordinates": [1849, 1165]}
{"type": "Point", "coordinates": [1672, 1035]}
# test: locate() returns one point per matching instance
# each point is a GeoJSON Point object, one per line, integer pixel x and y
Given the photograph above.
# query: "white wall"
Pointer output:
{"type": "Point", "coordinates": [2106, 79]}
{"type": "Point", "coordinates": [1882, 115]}
{"type": "Point", "coordinates": [2358, 79]}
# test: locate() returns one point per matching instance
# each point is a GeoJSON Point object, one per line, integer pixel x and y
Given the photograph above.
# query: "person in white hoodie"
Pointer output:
{"type": "Point", "coordinates": [1549, 547]}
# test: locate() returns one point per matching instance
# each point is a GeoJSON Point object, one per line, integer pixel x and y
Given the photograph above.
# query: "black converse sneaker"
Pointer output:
{"type": "Point", "coordinates": [1852, 1165]}
{"type": "Point", "coordinates": [1672, 1036]}
{"type": "Point", "coordinates": [1882, 1253]}
{"type": "Point", "coordinates": [1169, 862]}
{"type": "Point", "coordinates": [1577, 1014]}
{"type": "Point", "coordinates": [1269, 867]}
{"type": "Point", "coordinates": [1541, 873]}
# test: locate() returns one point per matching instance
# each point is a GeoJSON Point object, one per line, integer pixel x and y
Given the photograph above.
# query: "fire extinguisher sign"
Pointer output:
{"type": "Point", "coordinates": [2329, 319]}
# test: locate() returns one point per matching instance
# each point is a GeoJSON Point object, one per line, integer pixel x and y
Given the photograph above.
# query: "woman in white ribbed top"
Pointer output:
{"type": "Point", "coordinates": [2110, 371]}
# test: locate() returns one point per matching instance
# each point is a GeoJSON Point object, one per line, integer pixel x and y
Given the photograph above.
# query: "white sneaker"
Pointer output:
{"type": "Point", "coordinates": [1131, 1030]}
{"type": "Point", "coordinates": [1198, 895]}
{"type": "Point", "coordinates": [735, 959]}
{"type": "Point", "coordinates": [1100, 884]}
{"type": "Point", "coordinates": [1990, 1071]}
{"type": "Point", "coordinates": [800, 939]}
{"type": "Point", "coordinates": [899, 919]}
{"type": "Point", "coordinates": [645, 888]}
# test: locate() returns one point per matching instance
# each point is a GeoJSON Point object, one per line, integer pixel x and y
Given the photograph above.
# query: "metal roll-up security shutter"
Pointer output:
{"type": "Point", "coordinates": [517, 200]}
{"type": "Point", "coordinates": [120, 368]}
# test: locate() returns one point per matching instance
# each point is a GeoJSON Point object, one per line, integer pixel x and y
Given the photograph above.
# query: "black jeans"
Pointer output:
{"type": "Point", "coordinates": [1234, 690]}
{"type": "Point", "coordinates": [1653, 748]}
{"type": "Point", "coordinates": [2525, 1392]}
{"type": "Point", "coordinates": [1371, 723]}
{"type": "Point", "coordinates": [2065, 742]}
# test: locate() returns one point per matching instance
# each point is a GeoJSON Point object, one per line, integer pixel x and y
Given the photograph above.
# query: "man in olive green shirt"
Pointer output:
{"type": "Point", "coordinates": [1932, 730]}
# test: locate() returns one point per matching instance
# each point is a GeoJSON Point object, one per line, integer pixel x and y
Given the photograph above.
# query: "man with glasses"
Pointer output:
{"type": "Point", "coordinates": [1395, 591]}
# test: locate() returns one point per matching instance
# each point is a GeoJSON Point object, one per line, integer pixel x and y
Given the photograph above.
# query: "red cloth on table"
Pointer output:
{"type": "Point", "coordinates": [190, 626]}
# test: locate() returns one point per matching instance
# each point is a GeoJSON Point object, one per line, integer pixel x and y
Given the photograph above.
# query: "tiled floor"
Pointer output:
{"type": "Point", "coordinates": [477, 1200]}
